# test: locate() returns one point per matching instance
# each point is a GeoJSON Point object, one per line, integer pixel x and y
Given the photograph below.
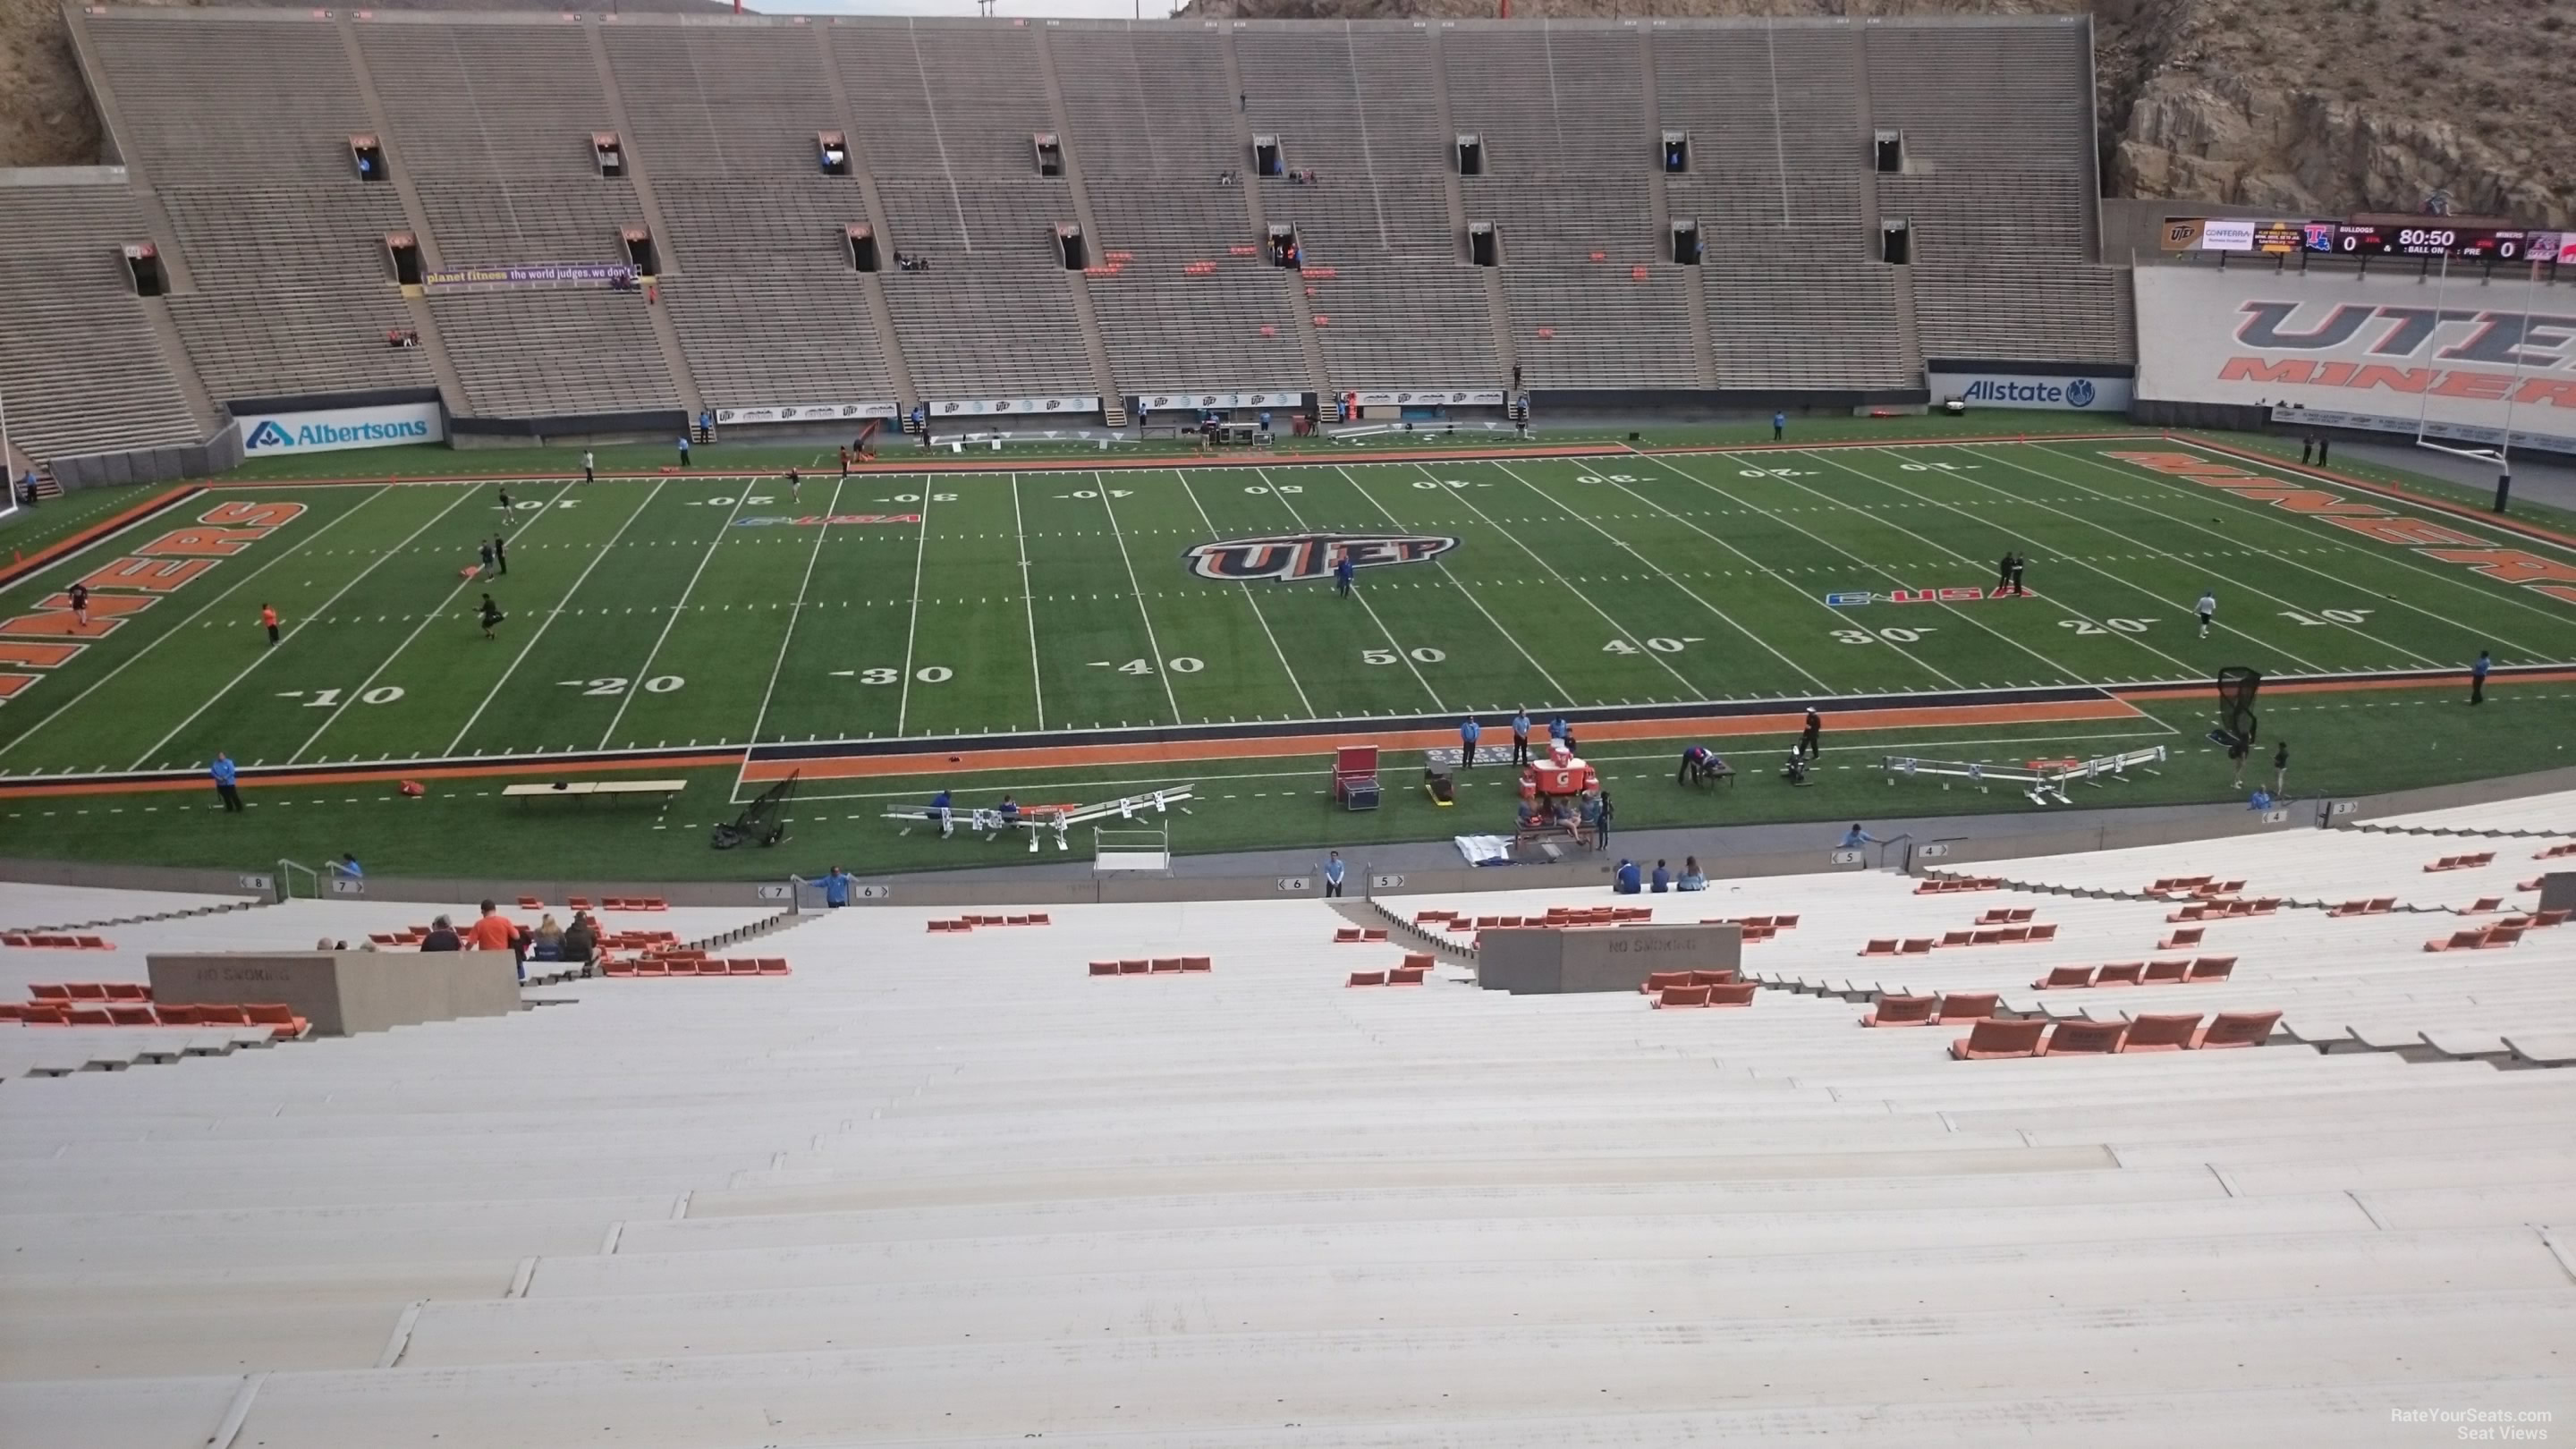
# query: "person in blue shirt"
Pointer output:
{"type": "Point", "coordinates": [2478, 678]}
{"type": "Point", "coordinates": [225, 772]}
{"type": "Point", "coordinates": [1692, 879]}
{"type": "Point", "coordinates": [347, 868]}
{"type": "Point", "coordinates": [1333, 872]}
{"type": "Point", "coordinates": [1010, 813]}
{"type": "Point", "coordinates": [1855, 838]}
{"type": "Point", "coordinates": [1343, 572]}
{"type": "Point", "coordinates": [1698, 763]}
{"type": "Point", "coordinates": [836, 888]}
{"type": "Point", "coordinates": [1779, 426]}
{"type": "Point", "coordinates": [1625, 882]}
{"type": "Point", "coordinates": [1663, 878]}
{"type": "Point", "coordinates": [943, 811]}
{"type": "Point", "coordinates": [1559, 731]}
{"type": "Point", "coordinates": [1520, 736]}
{"type": "Point", "coordinates": [1468, 732]}
{"type": "Point", "coordinates": [684, 450]}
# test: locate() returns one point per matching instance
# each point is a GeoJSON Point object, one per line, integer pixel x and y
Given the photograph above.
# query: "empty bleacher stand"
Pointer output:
{"type": "Point", "coordinates": [63, 276]}
{"type": "Point", "coordinates": [241, 123]}
{"type": "Point", "coordinates": [1999, 187]}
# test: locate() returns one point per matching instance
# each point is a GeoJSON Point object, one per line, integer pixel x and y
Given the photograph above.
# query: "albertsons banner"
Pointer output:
{"type": "Point", "coordinates": [2013, 390]}
{"type": "Point", "coordinates": [272, 433]}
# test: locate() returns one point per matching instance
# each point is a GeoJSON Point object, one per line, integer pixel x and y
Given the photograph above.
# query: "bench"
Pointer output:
{"type": "Point", "coordinates": [596, 787]}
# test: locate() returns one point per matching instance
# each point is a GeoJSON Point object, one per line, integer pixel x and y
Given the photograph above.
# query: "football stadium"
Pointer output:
{"type": "Point", "coordinates": [920, 687]}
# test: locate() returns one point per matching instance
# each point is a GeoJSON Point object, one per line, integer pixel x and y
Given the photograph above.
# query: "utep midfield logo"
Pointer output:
{"type": "Point", "coordinates": [2079, 393]}
{"type": "Point", "coordinates": [269, 435]}
{"type": "Point", "coordinates": [1291, 556]}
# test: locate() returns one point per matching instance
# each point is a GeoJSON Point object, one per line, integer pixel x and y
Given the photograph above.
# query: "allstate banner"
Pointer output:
{"type": "Point", "coordinates": [989, 407]}
{"type": "Point", "coordinates": [271, 434]}
{"type": "Point", "coordinates": [806, 413]}
{"type": "Point", "coordinates": [531, 274]}
{"type": "Point", "coordinates": [2017, 390]}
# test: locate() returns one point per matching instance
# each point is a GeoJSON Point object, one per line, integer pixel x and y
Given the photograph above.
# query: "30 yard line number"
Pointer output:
{"type": "Point", "coordinates": [1892, 636]}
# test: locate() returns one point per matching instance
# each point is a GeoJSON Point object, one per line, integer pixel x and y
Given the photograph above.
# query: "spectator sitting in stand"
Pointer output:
{"type": "Point", "coordinates": [548, 939]}
{"type": "Point", "coordinates": [442, 937]}
{"type": "Point", "coordinates": [580, 939]}
{"type": "Point", "coordinates": [1691, 879]}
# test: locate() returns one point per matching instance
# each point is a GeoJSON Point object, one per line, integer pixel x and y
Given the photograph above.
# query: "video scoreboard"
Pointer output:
{"type": "Point", "coordinates": [2433, 237]}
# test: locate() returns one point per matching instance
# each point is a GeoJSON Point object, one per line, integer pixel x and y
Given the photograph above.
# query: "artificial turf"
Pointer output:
{"type": "Point", "coordinates": [652, 611]}
{"type": "Point", "coordinates": [2342, 743]}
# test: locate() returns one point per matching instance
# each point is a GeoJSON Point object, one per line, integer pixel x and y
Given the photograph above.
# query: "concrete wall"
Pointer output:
{"type": "Point", "coordinates": [344, 992]}
{"type": "Point", "coordinates": [1539, 962]}
{"type": "Point", "coordinates": [2558, 891]}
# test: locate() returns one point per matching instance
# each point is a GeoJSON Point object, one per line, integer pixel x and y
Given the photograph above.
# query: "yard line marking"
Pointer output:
{"type": "Point", "coordinates": [1564, 694]}
{"type": "Point", "coordinates": [678, 607]}
{"type": "Point", "coordinates": [1631, 551]}
{"type": "Point", "coordinates": [820, 533]}
{"type": "Point", "coordinates": [2199, 528]}
{"type": "Point", "coordinates": [1758, 565]}
{"type": "Point", "coordinates": [1688, 688]}
{"type": "Point", "coordinates": [2131, 584]}
{"type": "Point", "coordinates": [1028, 599]}
{"type": "Point", "coordinates": [426, 619]}
{"type": "Point", "coordinates": [1162, 667]}
{"type": "Point", "coordinates": [1963, 558]}
{"type": "Point", "coordinates": [2459, 579]}
{"type": "Point", "coordinates": [202, 610]}
{"type": "Point", "coordinates": [1410, 666]}
{"type": "Point", "coordinates": [912, 621]}
{"type": "Point", "coordinates": [266, 654]}
{"type": "Point", "coordinates": [552, 615]}
{"type": "Point", "coordinates": [1249, 597]}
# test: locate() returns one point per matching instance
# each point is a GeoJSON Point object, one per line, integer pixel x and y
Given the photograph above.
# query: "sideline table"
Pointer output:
{"type": "Point", "coordinates": [596, 787]}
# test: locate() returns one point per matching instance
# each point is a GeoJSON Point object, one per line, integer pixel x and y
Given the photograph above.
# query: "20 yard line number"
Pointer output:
{"type": "Point", "coordinates": [611, 686]}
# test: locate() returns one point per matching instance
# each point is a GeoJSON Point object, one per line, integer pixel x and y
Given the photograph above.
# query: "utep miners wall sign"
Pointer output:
{"type": "Point", "coordinates": [1291, 556]}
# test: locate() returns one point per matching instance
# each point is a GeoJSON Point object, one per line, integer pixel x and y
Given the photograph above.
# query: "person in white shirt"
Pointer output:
{"type": "Point", "coordinates": [587, 476]}
{"type": "Point", "coordinates": [2207, 606]}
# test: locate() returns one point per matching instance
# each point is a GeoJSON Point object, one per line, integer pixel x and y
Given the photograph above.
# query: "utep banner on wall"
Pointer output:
{"type": "Point", "coordinates": [2379, 350]}
{"type": "Point", "coordinates": [2017, 390]}
{"type": "Point", "coordinates": [1284, 398]}
{"type": "Point", "coordinates": [806, 413]}
{"type": "Point", "coordinates": [270, 434]}
{"type": "Point", "coordinates": [1041, 406]}
{"type": "Point", "coordinates": [1429, 397]}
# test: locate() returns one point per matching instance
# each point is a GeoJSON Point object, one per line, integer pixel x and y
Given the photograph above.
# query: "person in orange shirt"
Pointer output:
{"type": "Point", "coordinates": [493, 931]}
{"type": "Point", "coordinates": [268, 621]}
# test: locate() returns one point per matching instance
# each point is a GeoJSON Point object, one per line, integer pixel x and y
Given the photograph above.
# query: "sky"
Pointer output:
{"type": "Point", "coordinates": [1034, 9]}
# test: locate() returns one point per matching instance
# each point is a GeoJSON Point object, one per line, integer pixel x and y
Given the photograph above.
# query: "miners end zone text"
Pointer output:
{"type": "Point", "coordinates": [1046, 603]}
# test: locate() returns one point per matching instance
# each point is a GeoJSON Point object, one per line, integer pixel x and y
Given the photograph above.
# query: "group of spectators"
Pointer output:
{"type": "Point", "coordinates": [493, 931]}
{"type": "Point", "coordinates": [1629, 880]}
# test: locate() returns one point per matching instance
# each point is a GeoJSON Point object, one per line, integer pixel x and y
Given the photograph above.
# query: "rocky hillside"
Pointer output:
{"type": "Point", "coordinates": [2325, 106]}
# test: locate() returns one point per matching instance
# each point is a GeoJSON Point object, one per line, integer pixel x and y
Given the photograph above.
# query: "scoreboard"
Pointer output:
{"type": "Point", "coordinates": [2433, 237]}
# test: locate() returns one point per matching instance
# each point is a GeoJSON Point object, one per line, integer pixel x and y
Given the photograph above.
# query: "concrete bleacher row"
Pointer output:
{"type": "Point", "coordinates": [62, 276]}
{"type": "Point", "coordinates": [941, 1184]}
{"type": "Point", "coordinates": [487, 123]}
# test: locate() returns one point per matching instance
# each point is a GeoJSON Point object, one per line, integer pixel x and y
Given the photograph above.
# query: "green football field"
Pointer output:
{"type": "Point", "coordinates": [646, 613]}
